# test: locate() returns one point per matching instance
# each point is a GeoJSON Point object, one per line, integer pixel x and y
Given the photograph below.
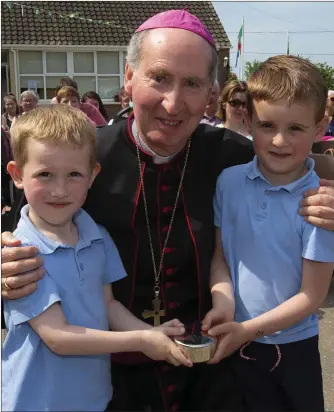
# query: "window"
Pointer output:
{"type": "Point", "coordinates": [100, 71]}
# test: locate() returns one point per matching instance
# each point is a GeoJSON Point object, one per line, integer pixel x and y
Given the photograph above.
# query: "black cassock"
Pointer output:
{"type": "Point", "coordinates": [115, 201]}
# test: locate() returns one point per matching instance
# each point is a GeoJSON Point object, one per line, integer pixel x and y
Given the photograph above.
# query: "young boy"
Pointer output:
{"type": "Point", "coordinates": [278, 266]}
{"type": "Point", "coordinates": [56, 355]}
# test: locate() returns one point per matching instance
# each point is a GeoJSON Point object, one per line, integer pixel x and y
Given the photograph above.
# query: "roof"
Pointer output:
{"type": "Point", "coordinates": [72, 23]}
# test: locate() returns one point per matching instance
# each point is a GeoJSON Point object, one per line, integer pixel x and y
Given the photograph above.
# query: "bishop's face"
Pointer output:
{"type": "Point", "coordinates": [170, 87]}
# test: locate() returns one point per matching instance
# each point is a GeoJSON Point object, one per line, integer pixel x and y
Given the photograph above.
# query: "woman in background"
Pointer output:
{"type": "Point", "coordinates": [234, 103]}
{"type": "Point", "coordinates": [28, 101]}
{"type": "Point", "coordinates": [329, 135]}
{"type": "Point", "coordinates": [95, 100]}
{"type": "Point", "coordinates": [11, 110]}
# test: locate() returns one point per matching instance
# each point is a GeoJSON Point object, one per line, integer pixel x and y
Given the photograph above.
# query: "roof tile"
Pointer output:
{"type": "Point", "coordinates": [46, 27]}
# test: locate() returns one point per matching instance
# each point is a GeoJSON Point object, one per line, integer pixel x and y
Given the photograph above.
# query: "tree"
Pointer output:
{"type": "Point", "coordinates": [251, 67]}
{"type": "Point", "coordinates": [327, 72]}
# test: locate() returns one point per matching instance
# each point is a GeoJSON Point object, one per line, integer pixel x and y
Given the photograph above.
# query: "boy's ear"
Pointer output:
{"type": "Point", "coordinates": [95, 172]}
{"type": "Point", "coordinates": [16, 174]}
{"type": "Point", "coordinates": [321, 129]}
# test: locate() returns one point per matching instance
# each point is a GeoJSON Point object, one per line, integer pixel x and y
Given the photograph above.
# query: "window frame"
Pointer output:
{"type": "Point", "coordinates": [70, 67]}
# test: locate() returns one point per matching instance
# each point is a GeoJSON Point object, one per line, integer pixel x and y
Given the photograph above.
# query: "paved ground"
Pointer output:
{"type": "Point", "coordinates": [326, 316]}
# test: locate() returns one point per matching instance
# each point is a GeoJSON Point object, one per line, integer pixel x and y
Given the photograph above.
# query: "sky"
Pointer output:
{"type": "Point", "coordinates": [303, 20]}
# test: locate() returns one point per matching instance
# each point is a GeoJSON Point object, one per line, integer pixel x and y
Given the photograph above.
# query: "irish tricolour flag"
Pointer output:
{"type": "Point", "coordinates": [239, 45]}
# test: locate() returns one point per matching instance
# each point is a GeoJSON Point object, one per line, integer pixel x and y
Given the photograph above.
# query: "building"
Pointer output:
{"type": "Point", "coordinates": [43, 41]}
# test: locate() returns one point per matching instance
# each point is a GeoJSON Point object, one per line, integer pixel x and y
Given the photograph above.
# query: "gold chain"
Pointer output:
{"type": "Point", "coordinates": [156, 288]}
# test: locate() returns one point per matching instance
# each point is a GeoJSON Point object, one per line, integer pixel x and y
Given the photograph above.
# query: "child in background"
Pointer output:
{"type": "Point", "coordinates": [271, 269]}
{"type": "Point", "coordinates": [56, 354]}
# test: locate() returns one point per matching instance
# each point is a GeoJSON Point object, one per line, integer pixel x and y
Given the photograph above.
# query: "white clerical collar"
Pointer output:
{"type": "Point", "coordinates": [157, 159]}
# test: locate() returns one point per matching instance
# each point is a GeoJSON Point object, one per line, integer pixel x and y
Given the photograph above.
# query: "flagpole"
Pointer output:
{"type": "Point", "coordinates": [287, 43]}
{"type": "Point", "coordinates": [242, 49]}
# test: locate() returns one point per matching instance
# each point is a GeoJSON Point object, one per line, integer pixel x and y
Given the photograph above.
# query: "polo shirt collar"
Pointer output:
{"type": "Point", "coordinates": [253, 172]}
{"type": "Point", "coordinates": [87, 228]}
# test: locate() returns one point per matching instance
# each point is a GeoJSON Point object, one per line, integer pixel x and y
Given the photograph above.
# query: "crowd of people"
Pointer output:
{"type": "Point", "coordinates": [161, 226]}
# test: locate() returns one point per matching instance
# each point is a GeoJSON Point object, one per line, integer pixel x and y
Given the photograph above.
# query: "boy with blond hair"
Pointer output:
{"type": "Point", "coordinates": [271, 269]}
{"type": "Point", "coordinates": [59, 342]}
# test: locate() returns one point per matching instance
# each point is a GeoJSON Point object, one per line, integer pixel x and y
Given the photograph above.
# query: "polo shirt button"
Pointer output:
{"type": "Point", "coordinates": [264, 205]}
{"type": "Point", "coordinates": [81, 266]}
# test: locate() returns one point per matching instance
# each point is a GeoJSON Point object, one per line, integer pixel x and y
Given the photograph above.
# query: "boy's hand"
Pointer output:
{"type": "Point", "coordinates": [232, 336]}
{"type": "Point", "coordinates": [157, 346]}
{"type": "Point", "coordinates": [171, 328]}
{"type": "Point", "coordinates": [217, 316]}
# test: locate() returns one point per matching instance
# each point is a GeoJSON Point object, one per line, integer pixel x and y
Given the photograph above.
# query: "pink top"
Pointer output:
{"type": "Point", "coordinates": [93, 114]}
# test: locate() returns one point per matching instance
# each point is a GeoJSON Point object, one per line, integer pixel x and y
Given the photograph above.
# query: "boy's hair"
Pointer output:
{"type": "Point", "coordinates": [291, 79]}
{"type": "Point", "coordinates": [67, 91]}
{"type": "Point", "coordinates": [230, 87]}
{"type": "Point", "coordinates": [28, 93]}
{"type": "Point", "coordinates": [54, 124]}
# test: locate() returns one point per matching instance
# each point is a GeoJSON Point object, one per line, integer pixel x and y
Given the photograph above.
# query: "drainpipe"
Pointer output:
{"type": "Point", "coordinates": [15, 72]}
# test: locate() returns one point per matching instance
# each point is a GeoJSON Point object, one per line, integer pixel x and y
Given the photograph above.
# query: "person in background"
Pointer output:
{"type": "Point", "coordinates": [329, 135]}
{"type": "Point", "coordinates": [7, 188]}
{"type": "Point", "coordinates": [125, 99]}
{"type": "Point", "coordinates": [28, 101]}
{"type": "Point", "coordinates": [70, 96]}
{"type": "Point", "coordinates": [212, 107]}
{"type": "Point", "coordinates": [11, 110]}
{"type": "Point", "coordinates": [64, 81]}
{"type": "Point", "coordinates": [233, 107]}
{"type": "Point", "coordinates": [95, 100]}
{"type": "Point", "coordinates": [91, 111]}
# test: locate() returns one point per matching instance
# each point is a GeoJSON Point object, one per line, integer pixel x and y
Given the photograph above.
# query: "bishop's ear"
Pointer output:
{"type": "Point", "coordinates": [128, 75]}
{"type": "Point", "coordinates": [16, 174]}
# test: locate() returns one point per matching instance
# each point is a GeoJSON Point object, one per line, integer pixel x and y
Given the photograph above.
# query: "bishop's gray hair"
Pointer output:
{"type": "Point", "coordinates": [135, 48]}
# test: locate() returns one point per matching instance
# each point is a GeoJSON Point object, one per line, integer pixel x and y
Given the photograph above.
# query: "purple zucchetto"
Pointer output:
{"type": "Point", "coordinates": [178, 19]}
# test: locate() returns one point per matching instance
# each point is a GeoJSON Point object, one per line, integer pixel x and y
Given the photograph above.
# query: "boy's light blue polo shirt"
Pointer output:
{"type": "Point", "coordinates": [33, 377]}
{"type": "Point", "coordinates": [264, 240]}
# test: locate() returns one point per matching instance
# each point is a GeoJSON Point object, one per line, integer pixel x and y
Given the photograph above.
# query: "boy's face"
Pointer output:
{"type": "Point", "coordinates": [283, 136]}
{"type": "Point", "coordinates": [55, 179]}
{"type": "Point", "coordinates": [71, 101]}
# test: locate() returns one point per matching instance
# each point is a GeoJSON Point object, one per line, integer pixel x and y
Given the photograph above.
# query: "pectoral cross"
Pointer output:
{"type": "Point", "coordinates": [155, 313]}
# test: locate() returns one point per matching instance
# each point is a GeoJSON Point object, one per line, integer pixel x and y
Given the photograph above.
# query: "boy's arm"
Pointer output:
{"type": "Point", "coordinates": [223, 304]}
{"type": "Point", "coordinates": [119, 317]}
{"type": "Point", "coordinates": [65, 339]}
{"type": "Point", "coordinates": [315, 284]}
{"type": "Point", "coordinates": [314, 288]}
